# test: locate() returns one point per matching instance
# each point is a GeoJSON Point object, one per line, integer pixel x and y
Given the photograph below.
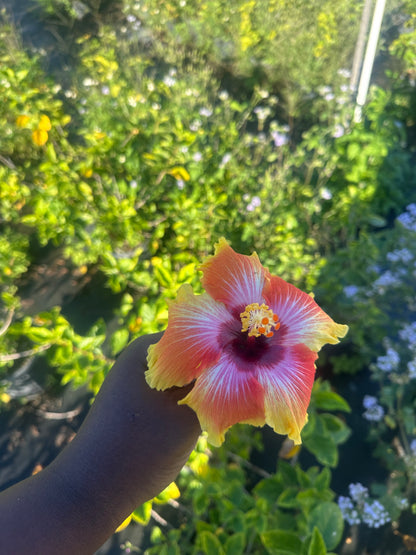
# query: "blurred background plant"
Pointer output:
{"type": "Point", "coordinates": [134, 135]}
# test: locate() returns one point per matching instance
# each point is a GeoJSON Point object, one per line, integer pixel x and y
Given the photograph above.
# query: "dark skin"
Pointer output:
{"type": "Point", "coordinates": [132, 444]}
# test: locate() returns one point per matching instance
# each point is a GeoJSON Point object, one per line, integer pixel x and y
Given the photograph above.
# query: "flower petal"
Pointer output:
{"type": "Point", "coordinates": [287, 390]}
{"type": "Point", "coordinates": [223, 396]}
{"type": "Point", "coordinates": [190, 343]}
{"type": "Point", "coordinates": [233, 279]}
{"type": "Point", "coordinates": [301, 319]}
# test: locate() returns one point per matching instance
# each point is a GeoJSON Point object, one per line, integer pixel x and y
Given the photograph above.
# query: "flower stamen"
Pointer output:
{"type": "Point", "coordinates": [259, 320]}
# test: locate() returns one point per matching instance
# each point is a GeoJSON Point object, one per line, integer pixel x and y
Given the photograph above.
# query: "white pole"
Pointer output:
{"type": "Point", "coordinates": [369, 58]}
{"type": "Point", "coordinates": [360, 45]}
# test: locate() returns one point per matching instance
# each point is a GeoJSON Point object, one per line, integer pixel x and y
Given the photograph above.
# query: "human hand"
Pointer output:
{"type": "Point", "coordinates": [132, 444]}
{"type": "Point", "coordinates": [136, 435]}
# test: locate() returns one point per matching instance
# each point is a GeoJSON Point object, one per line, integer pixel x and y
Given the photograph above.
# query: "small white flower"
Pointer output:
{"type": "Point", "coordinates": [254, 203]}
{"type": "Point", "coordinates": [263, 93]}
{"type": "Point", "coordinates": [346, 73]}
{"type": "Point", "coordinates": [195, 125]}
{"type": "Point", "coordinates": [88, 82]}
{"type": "Point", "coordinates": [225, 159]}
{"type": "Point", "coordinates": [205, 112]}
{"type": "Point", "coordinates": [339, 131]}
{"type": "Point", "coordinates": [197, 157]}
{"type": "Point", "coordinates": [169, 80]}
{"type": "Point", "coordinates": [262, 112]}
{"type": "Point", "coordinates": [279, 139]}
{"type": "Point", "coordinates": [325, 193]}
{"type": "Point", "coordinates": [70, 94]}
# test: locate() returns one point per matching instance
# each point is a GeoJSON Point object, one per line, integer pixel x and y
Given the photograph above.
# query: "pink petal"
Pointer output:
{"type": "Point", "coordinates": [223, 396]}
{"type": "Point", "coordinates": [190, 343]}
{"type": "Point", "coordinates": [233, 279]}
{"type": "Point", "coordinates": [287, 390]}
{"type": "Point", "coordinates": [301, 319]}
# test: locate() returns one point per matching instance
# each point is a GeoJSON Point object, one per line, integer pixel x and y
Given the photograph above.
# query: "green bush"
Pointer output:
{"type": "Point", "coordinates": [172, 126]}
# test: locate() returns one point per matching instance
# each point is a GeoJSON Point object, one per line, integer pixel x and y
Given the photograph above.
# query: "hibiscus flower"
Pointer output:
{"type": "Point", "coordinates": [249, 343]}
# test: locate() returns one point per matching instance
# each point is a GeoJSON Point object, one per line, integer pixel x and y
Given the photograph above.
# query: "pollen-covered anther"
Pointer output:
{"type": "Point", "coordinates": [259, 320]}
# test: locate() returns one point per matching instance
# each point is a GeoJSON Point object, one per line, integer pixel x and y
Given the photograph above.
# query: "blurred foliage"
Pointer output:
{"type": "Point", "coordinates": [148, 130]}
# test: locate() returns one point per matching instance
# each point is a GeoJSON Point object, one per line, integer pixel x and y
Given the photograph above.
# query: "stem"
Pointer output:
{"type": "Point", "coordinates": [402, 430]}
{"type": "Point", "coordinates": [23, 354]}
{"type": "Point", "coordinates": [7, 322]}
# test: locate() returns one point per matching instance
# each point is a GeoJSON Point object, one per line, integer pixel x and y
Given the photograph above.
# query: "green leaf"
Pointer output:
{"type": "Point", "coordinates": [235, 544]}
{"type": "Point", "coordinates": [376, 220]}
{"type": "Point", "coordinates": [143, 513]}
{"type": "Point", "coordinates": [336, 428]}
{"type": "Point", "coordinates": [269, 489]}
{"type": "Point", "coordinates": [288, 499]}
{"type": "Point", "coordinates": [323, 447]}
{"type": "Point", "coordinates": [328, 519]}
{"type": "Point", "coordinates": [170, 492]}
{"type": "Point", "coordinates": [88, 343]}
{"type": "Point", "coordinates": [308, 497]}
{"type": "Point", "coordinates": [328, 400]}
{"type": "Point", "coordinates": [278, 542]}
{"type": "Point", "coordinates": [287, 474]}
{"type": "Point", "coordinates": [256, 520]}
{"type": "Point", "coordinates": [200, 502]}
{"type": "Point", "coordinates": [323, 480]}
{"type": "Point", "coordinates": [209, 543]}
{"type": "Point", "coordinates": [40, 335]}
{"type": "Point", "coordinates": [317, 545]}
{"type": "Point", "coordinates": [119, 340]}
{"type": "Point", "coordinates": [163, 276]}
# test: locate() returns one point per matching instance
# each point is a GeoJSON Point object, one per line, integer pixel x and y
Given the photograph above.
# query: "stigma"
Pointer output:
{"type": "Point", "coordinates": [259, 320]}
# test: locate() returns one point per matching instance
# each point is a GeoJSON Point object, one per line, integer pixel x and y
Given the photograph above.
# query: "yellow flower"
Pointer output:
{"type": "Point", "coordinates": [39, 137]}
{"type": "Point", "coordinates": [44, 123]}
{"type": "Point", "coordinates": [22, 120]}
{"type": "Point", "coordinates": [87, 172]}
{"type": "Point", "coordinates": [179, 172]}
